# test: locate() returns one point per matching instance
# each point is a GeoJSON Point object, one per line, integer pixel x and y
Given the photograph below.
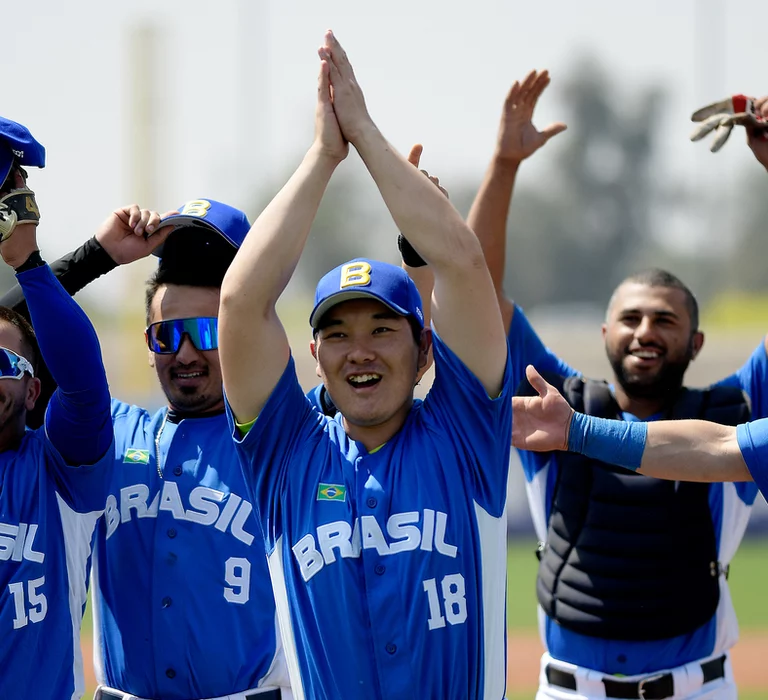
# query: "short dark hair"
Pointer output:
{"type": "Point", "coordinates": [656, 277]}
{"type": "Point", "coordinates": [29, 345]}
{"type": "Point", "coordinates": [196, 263]}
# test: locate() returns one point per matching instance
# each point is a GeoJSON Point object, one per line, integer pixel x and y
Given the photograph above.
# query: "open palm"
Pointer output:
{"type": "Point", "coordinates": [518, 137]}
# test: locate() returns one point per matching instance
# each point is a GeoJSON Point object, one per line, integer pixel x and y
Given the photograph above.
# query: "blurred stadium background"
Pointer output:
{"type": "Point", "coordinates": [159, 103]}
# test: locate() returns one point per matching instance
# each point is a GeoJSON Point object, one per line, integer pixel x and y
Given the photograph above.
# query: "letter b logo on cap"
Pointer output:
{"type": "Point", "coordinates": [356, 274]}
{"type": "Point", "coordinates": [197, 207]}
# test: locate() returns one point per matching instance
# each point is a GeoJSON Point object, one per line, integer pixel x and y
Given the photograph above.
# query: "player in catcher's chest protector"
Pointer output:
{"type": "Point", "coordinates": [183, 605]}
{"type": "Point", "coordinates": [48, 504]}
{"type": "Point", "coordinates": [632, 587]}
{"type": "Point", "coordinates": [384, 525]}
{"type": "Point", "coordinates": [681, 450]}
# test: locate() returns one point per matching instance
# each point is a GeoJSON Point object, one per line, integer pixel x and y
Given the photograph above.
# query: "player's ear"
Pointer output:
{"type": "Point", "coordinates": [151, 358]}
{"type": "Point", "coordinates": [425, 344]}
{"type": "Point", "coordinates": [33, 393]}
{"type": "Point", "coordinates": [697, 341]}
{"type": "Point", "coordinates": [313, 350]}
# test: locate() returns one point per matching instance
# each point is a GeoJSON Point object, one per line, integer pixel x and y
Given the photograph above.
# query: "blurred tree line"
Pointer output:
{"type": "Point", "coordinates": [603, 213]}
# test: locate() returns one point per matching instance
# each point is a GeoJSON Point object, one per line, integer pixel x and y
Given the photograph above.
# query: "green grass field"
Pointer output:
{"type": "Point", "coordinates": [749, 572]}
{"type": "Point", "coordinates": [742, 696]}
{"type": "Point", "coordinates": [758, 695]}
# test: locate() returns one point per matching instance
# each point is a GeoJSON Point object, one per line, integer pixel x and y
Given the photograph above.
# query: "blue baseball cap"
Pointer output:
{"type": "Point", "coordinates": [367, 279]}
{"type": "Point", "coordinates": [17, 143]}
{"type": "Point", "coordinates": [229, 223]}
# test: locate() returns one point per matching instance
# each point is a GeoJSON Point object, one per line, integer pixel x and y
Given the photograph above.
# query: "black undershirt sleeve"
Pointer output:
{"type": "Point", "coordinates": [74, 271]}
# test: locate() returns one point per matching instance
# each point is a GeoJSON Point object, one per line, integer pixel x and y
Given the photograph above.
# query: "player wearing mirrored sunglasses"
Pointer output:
{"type": "Point", "coordinates": [166, 337]}
{"type": "Point", "coordinates": [53, 481]}
{"type": "Point", "coordinates": [183, 602]}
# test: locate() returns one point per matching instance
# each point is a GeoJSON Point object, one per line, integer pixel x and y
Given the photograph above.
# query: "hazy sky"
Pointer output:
{"type": "Point", "coordinates": [234, 83]}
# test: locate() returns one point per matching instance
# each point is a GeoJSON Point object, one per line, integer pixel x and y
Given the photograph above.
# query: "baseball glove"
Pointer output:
{"type": "Point", "coordinates": [17, 206]}
{"type": "Point", "coordinates": [722, 116]}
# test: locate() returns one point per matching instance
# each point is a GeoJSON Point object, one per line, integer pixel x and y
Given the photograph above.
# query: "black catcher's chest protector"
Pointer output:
{"type": "Point", "coordinates": [629, 557]}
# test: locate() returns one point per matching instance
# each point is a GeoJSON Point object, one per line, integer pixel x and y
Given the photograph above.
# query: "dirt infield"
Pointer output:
{"type": "Point", "coordinates": [90, 680]}
{"type": "Point", "coordinates": [749, 661]}
{"type": "Point", "coordinates": [524, 652]}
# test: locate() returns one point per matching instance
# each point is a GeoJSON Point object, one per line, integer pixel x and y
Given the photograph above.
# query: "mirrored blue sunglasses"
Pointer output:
{"type": "Point", "coordinates": [165, 337]}
{"type": "Point", "coordinates": [13, 366]}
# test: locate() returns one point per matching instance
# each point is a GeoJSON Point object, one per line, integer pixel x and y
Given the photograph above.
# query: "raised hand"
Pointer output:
{"type": "Point", "coordinates": [348, 100]}
{"type": "Point", "coordinates": [518, 137]}
{"type": "Point", "coordinates": [19, 217]}
{"type": "Point", "coordinates": [131, 233]}
{"type": "Point", "coordinates": [408, 253]}
{"type": "Point", "coordinates": [414, 158]}
{"type": "Point", "coordinates": [757, 137]}
{"type": "Point", "coordinates": [328, 136]}
{"type": "Point", "coordinates": [20, 245]}
{"type": "Point", "coordinates": [540, 423]}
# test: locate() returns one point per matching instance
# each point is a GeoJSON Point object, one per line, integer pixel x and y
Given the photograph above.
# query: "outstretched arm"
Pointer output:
{"type": "Point", "coordinates": [413, 263]}
{"type": "Point", "coordinates": [517, 140]}
{"type": "Point", "coordinates": [685, 450]}
{"type": "Point", "coordinates": [120, 240]}
{"type": "Point", "coordinates": [128, 234]}
{"type": "Point", "coordinates": [78, 423]}
{"type": "Point", "coordinates": [464, 312]}
{"type": "Point", "coordinates": [757, 140]}
{"type": "Point", "coordinates": [253, 346]}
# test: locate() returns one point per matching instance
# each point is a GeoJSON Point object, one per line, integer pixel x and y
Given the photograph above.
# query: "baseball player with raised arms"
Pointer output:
{"type": "Point", "coordinates": [53, 481]}
{"type": "Point", "coordinates": [183, 605]}
{"type": "Point", "coordinates": [632, 578]}
{"type": "Point", "coordinates": [385, 525]}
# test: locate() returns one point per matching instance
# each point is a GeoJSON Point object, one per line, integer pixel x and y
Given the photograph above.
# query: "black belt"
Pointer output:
{"type": "Point", "coordinates": [269, 695]}
{"type": "Point", "coordinates": [651, 688]}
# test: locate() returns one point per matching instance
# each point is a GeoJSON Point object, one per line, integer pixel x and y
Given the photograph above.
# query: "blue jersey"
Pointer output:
{"type": "Point", "coordinates": [388, 566]}
{"type": "Point", "coordinates": [183, 601]}
{"type": "Point", "coordinates": [730, 505]}
{"type": "Point", "coordinates": [48, 512]}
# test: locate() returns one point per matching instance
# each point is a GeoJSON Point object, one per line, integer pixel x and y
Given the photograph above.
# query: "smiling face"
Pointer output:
{"type": "Point", "coordinates": [190, 378]}
{"type": "Point", "coordinates": [649, 339]}
{"type": "Point", "coordinates": [369, 362]}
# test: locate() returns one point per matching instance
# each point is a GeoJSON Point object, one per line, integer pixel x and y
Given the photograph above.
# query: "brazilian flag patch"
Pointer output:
{"type": "Point", "coordinates": [134, 456]}
{"type": "Point", "coordinates": [331, 492]}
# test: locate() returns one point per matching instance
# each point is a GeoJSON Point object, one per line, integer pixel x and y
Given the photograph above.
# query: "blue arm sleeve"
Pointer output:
{"type": "Point", "coordinates": [753, 442]}
{"type": "Point", "coordinates": [526, 348]}
{"type": "Point", "coordinates": [612, 441]}
{"type": "Point", "coordinates": [752, 377]}
{"type": "Point", "coordinates": [78, 422]}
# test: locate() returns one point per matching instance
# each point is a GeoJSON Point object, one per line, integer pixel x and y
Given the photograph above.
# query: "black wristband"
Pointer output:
{"type": "Point", "coordinates": [34, 260]}
{"type": "Point", "coordinates": [408, 253]}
